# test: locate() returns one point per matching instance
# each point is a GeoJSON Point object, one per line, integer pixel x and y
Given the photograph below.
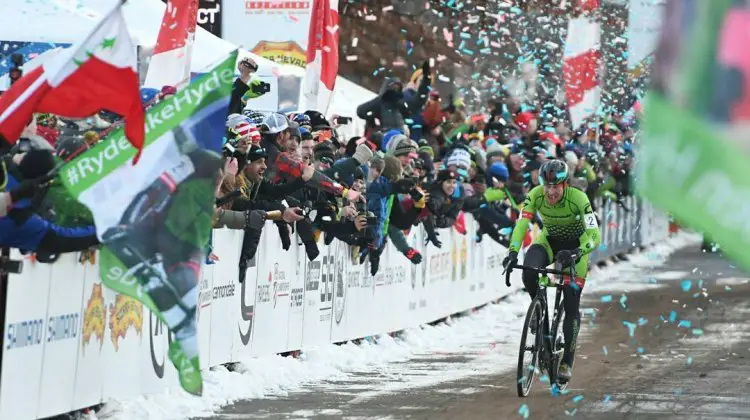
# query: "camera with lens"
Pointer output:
{"type": "Point", "coordinates": [228, 149]}
{"type": "Point", "coordinates": [261, 88]}
{"type": "Point", "coordinates": [415, 194]}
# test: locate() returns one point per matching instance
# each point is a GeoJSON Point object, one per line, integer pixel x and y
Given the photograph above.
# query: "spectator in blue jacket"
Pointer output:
{"type": "Point", "coordinates": [21, 227]}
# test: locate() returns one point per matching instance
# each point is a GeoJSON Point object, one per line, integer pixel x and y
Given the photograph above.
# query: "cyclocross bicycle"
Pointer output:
{"type": "Point", "coordinates": [546, 355]}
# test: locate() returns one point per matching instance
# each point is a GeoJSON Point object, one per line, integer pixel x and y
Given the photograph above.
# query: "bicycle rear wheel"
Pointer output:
{"type": "Point", "coordinates": [527, 371]}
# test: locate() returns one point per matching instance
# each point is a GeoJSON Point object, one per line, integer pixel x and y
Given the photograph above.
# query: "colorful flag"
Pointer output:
{"type": "Point", "coordinates": [581, 63]}
{"type": "Point", "coordinates": [155, 218]}
{"type": "Point", "coordinates": [322, 55]}
{"type": "Point", "coordinates": [96, 74]}
{"type": "Point", "coordinates": [170, 63]}
{"type": "Point", "coordinates": [694, 153]}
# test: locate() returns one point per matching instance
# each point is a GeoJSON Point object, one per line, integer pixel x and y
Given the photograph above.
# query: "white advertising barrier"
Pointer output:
{"type": "Point", "coordinates": [70, 343]}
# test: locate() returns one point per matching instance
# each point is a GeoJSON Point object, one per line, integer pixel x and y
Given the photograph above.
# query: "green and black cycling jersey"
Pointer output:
{"type": "Point", "coordinates": [568, 224]}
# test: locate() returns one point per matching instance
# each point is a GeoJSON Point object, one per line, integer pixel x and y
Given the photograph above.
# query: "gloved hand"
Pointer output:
{"type": "Point", "coordinates": [494, 194]}
{"type": "Point", "coordinates": [374, 263]}
{"type": "Point", "coordinates": [362, 154]}
{"type": "Point", "coordinates": [510, 259]}
{"type": "Point", "coordinates": [434, 239]}
{"type": "Point", "coordinates": [567, 257]}
{"type": "Point", "coordinates": [413, 255]}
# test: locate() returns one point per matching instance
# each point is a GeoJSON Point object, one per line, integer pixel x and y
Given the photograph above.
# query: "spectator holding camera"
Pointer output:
{"type": "Point", "coordinates": [246, 86]}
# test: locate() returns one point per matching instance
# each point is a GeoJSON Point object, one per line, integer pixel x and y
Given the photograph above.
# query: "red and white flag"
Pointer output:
{"type": "Point", "coordinates": [99, 73]}
{"type": "Point", "coordinates": [170, 63]}
{"type": "Point", "coordinates": [322, 55]}
{"type": "Point", "coordinates": [582, 62]}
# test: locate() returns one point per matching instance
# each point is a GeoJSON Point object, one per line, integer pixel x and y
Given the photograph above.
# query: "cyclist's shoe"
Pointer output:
{"type": "Point", "coordinates": [544, 281]}
{"type": "Point", "coordinates": [564, 373]}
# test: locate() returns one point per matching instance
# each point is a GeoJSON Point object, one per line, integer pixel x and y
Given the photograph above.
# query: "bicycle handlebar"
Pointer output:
{"type": "Point", "coordinates": [539, 270]}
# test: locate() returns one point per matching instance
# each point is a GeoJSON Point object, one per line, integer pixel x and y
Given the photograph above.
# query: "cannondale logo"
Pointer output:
{"type": "Point", "coordinates": [157, 329]}
{"type": "Point", "coordinates": [246, 312]}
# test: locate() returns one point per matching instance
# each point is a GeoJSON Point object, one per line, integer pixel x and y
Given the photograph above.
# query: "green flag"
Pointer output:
{"type": "Point", "coordinates": [155, 218]}
{"type": "Point", "coordinates": [693, 159]}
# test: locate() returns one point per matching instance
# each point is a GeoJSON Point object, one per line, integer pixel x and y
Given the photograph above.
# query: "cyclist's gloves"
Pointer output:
{"type": "Point", "coordinates": [567, 257]}
{"type": "Point", "coordinates": [510, 259]}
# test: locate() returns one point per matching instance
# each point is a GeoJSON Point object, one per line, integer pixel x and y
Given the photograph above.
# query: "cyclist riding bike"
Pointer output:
{"type": "Point", "coordinates": [570, 234]}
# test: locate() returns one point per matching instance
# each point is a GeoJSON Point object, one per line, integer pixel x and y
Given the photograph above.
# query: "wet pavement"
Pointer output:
{"type": "Point", "coordinates": [680, 350]}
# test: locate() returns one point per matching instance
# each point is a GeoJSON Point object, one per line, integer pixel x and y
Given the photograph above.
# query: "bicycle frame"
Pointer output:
{"type": "Point", "coordinates": [551, 355]}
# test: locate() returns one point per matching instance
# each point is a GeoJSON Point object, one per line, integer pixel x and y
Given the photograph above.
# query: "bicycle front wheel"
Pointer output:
{"type": "Point", "coordinates": [531, 344]}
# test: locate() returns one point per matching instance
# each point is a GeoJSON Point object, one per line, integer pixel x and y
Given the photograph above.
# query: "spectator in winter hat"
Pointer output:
{"type": "Point", "coordinates": [406, 151]}
{"type": "Point", "coordinates": [459, 159]}
{"type": "Point", "coordinates": [234, 119]}
{"type": "Point", "coordinates": [276, 138]}
{"type": "Point", "coordinates": [247, 134]}
{"type": "Point", "coordinates": [424, 147]}
{"type": "Point", "coordinates": [388, 137]}
{"type": "Point", "coordinates": [324, 156]}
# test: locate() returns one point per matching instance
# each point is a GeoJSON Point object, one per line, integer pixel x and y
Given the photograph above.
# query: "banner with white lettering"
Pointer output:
{"type": "Point", "coordinates": [209, 16]}
{"type": "Point", "coordinates": [155, 217]}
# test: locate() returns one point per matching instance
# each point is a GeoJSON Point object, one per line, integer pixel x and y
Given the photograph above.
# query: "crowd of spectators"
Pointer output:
{"type": "Point", "coordinates": [423, 159]}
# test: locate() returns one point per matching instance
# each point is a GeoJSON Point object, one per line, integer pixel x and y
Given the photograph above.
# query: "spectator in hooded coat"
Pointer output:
{"type": "Point", "coordinates": [391, 107]}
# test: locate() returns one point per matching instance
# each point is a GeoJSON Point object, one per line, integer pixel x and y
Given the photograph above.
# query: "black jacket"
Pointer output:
{"type": "Point", "coordinates": [390, 108]}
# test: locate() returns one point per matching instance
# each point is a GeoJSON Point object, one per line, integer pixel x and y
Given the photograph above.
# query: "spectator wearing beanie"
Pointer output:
{"type": "Point", "coordinates": [406, 152]}
{"type": "Point", "coordinates": [323, 155]}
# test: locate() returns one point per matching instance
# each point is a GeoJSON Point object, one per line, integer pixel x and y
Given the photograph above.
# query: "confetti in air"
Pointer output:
{"type": "Point", "coordinates": [523, 411]}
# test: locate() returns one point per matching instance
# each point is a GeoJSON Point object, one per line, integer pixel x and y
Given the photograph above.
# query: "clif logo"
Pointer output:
{"type": "Point", "coordinates": [123, 314]}
{"type": "Point", "coordinates": [94, 318]}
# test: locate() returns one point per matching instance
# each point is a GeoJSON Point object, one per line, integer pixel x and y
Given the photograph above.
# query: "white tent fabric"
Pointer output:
{"type": "Point", "coordinates": [70, 20]}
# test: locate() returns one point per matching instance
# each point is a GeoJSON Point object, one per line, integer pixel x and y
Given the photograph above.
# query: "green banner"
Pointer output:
{"type": "Point", "coordinates": [155, 217]}
{"type": "Point", "coordinates": [693, 158]}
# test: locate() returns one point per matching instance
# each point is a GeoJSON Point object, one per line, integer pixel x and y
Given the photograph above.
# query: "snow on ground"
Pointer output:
{"type": "Point", "coordinates": [486, 341]}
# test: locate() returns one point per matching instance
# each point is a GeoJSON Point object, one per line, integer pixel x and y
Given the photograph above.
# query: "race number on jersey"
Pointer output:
{"type": "Point", "coordinates": [590, 220]}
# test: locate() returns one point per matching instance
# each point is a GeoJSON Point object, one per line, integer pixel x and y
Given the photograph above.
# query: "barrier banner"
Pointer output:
{"type": "Point", "coordinates": [71, 342]}
{"type": "Point", "coordinates": [155, 217]}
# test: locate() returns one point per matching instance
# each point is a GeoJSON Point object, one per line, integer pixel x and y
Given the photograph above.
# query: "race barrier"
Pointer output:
{"type": "Point", "coordinates": [70, 343]}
